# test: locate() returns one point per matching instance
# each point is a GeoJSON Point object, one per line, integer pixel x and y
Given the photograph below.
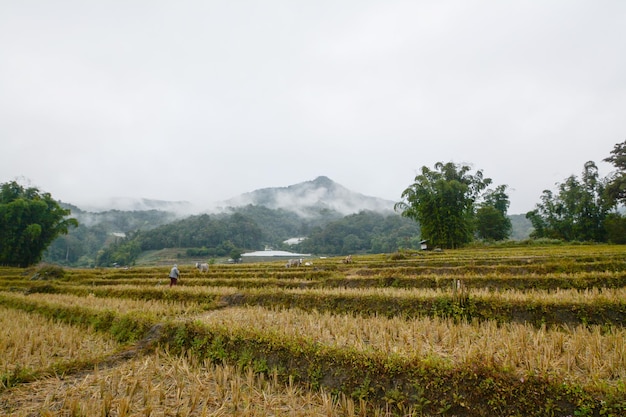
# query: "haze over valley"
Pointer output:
{"type": "Point", "coordinates": [303, 199]}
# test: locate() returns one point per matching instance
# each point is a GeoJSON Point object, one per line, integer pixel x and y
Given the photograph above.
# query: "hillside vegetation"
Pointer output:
{"type": "Point", "coordinates": [127, 238]}
{"type": "Point", "coordinates": [334, 220]}
{"type": "Point", "coordinates": [243, 229]}
{"type": "Point", "coordinates": [525, 331]}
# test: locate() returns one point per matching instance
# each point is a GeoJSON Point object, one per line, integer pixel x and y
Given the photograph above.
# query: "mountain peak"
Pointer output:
{"type": "Point", "coordinates": [307, 197]}
{"type": "Point", "coordinates": [323, 181]}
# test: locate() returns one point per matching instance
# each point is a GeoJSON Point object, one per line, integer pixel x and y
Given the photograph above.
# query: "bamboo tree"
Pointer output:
{"type": "Point", "coordinates": [443, 202]}
{"type": "Point", "coordinates": [29, 221]}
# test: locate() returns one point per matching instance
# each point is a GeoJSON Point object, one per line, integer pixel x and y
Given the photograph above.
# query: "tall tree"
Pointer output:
{"type": "Point", "coordinates": [443, 201]}
{"type": "Point", "coordinates": [492, 222]}
{"type": "Point", "coordinates": [576, 212]}
{"type": "Point", "coordinates": [615, 223]}
{"type": "Point", "coordinates": [616, 187]}
{"type": "Point", "coordinates": [29, 221]}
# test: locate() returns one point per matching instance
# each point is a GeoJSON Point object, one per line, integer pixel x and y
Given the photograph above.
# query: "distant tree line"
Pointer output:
{"type": "Point", "coordinates": [224, 234]}
{"type": "Point", "coordinates": [117, 237]}
{"type": "Point", "coordinates": [455, 207]}
{"type": "Point", "coordinates": [95, 231]}
{"type": "Point", "coordinates": [449, 206]}
{"type": "Point", "coordinates": [585, 208]}
{"type": "Point", "coordinates": [364, 232]}
{"type": "Point", "coordinates": [204, 230]}
{"type": "Point", "coordinates": [577, 211]}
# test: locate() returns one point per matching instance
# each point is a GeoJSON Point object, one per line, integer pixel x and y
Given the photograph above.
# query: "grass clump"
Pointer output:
{"type": "Point", "coordinates": [47, 272]}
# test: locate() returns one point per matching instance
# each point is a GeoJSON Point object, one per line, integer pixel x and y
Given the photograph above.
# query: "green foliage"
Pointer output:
{"type": "Point", "coordinates": [205, 231]}
{"type": "Point", "coordinates": [124, 251]}
{"type": "Point", "coordinates": [235, 254]}
{"type": "Point", "coordinates": [129, 328]}
{"type": "Point", "coordinates": [29, 221]}
{"type": "Point", "coordinates": [362, 232]}
{"type": "Point", "coordinates": [492, 222]}
{"type": "Point", "coordinates": [615, 225]}
{"type": "Point", "coordinates": [616, 187]}
{"type": "Point", "coordinates": [79, 247]}
{"type": "Point", "coordinates": [277, 225]}
{"type": "Point", "coordinates": [443, 202]}
{"type": "Point", "coordinates": [96, 231]}
{"type": "Point", "coordinates": [97, 240]}
{"type": "Point", "coordinates": [198, 252]}
{"type": "Point", "coordinates": [214, 235]}
{"type": "Point", "coordinates": [230, 234]}
{"type": "Point", "coordinates": [577, 212]}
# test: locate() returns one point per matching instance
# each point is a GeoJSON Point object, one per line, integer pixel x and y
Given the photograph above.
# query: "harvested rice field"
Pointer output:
{"type": "Point", "coordinates": [524, 331]}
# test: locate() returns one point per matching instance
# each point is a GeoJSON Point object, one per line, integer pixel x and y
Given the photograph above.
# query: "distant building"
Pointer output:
{"type": "Point", "coordinates": [272, 255]}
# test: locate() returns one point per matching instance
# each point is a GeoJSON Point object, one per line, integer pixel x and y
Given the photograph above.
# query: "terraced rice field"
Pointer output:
{"type": "Point", "coordinates": [526, 331]}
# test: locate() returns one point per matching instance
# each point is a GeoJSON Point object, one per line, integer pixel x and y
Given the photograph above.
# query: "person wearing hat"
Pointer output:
{"type": "Point", "coordinates": [174, 275]}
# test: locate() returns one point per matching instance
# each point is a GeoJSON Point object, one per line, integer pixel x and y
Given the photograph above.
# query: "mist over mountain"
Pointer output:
{"type": "Point", "coordinates": [318, 201]}
{"type": "Point", "coordinates": [309, 197]}
{"type": "Point", "coordinates": [139, 204]}
{"type": "Point", "coordinates": [324, 216]}
{"type": "Point", "coordinates": [306, 199]}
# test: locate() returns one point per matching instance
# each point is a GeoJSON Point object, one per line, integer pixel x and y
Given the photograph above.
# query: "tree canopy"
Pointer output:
{"type": "Point", "coordinates": [616, 187]}
{"type": "Point", "coordinates": [576, 212]}
{"type": "Point", "coordinates": [492, 222]}
{"type": "Point", "coordinates": [29, 221]}
{"type": "Point", "coordinates": [255, 228]}
{"type": "Point", "coordinates": [443, 201]}
{"type": "Point", "coordinates": [363, 232]}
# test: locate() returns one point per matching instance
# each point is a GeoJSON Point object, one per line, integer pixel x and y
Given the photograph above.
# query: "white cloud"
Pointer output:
{"type": "Point", "coordinates": [202, 101]}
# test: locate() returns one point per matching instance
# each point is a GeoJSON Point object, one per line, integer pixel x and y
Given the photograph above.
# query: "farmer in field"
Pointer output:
{"type": "Point", "coordinates": [174, 275]}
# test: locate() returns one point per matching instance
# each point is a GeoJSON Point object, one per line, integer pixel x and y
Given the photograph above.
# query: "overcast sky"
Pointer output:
{"type": "Point", "coordinates": [201, 101]}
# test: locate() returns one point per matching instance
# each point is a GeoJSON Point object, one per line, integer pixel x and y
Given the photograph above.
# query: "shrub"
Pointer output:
{"type": "Point", "coordinates": [49, 272]}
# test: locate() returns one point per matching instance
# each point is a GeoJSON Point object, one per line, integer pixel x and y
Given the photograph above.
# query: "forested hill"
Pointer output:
{"type": "Point", "coordinates": [309, 197]}
{"type": "Point", "coordinates": [334, 220]}
{"type": "Point", "coordinates": [238, 230]}
{"type": "Point", "coordinates": [258, 227]}
{"type": "Point", "coordinates": [122, 221]}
